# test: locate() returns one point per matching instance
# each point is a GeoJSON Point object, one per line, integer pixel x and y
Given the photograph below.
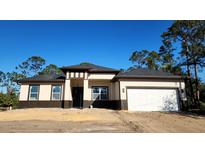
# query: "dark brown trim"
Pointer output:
{"type": "Point", "coordinates": [124, 104]}
{"type": "Point", "coordinates": [119, 91]}
{"type": "Point", "coordinates": [39, 104]}
{"type": "Point", "coordinates": [115, 72]}
{"type": "Point", "coordinates": [44, 104]}
{"type": "Point", "coordinates": [177, 78]}
{"type": "Point", "coordinates": [41, 81]}
{"type": "Point", "coordinates": [63, 96]}
{"type": "Point", "coordinates": [67, 104]}
{"type": "Point", "coordinates": [107, 104]}
{"type": "Point", "coordinates": [89, 70]}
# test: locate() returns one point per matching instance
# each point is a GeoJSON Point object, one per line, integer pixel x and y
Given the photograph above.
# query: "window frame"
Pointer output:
{"type": "Point", "coordinates": [29, 92]}
{"type": "Point", "coordinates": [99, 94]}
{"type": "Point", "coordinates": [54, 93]}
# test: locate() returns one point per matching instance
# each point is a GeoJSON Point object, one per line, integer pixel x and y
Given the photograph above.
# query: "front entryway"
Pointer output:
{"type": "Point", "coordinates": [77, 94]}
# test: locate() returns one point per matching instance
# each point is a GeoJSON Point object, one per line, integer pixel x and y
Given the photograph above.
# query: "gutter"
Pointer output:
{"type": "Point", "coordinates": [36, 81]}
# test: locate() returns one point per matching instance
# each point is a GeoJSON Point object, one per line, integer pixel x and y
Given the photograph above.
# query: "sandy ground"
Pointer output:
{"type": "Point", "coordinates": [97, 120]}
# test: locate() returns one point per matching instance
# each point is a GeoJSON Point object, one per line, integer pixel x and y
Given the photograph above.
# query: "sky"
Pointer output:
{"type": "Point", "coordinates": [106, 43]}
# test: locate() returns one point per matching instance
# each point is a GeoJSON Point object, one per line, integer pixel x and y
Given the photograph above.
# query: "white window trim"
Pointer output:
{"type": "Point", "coordinates": [33, 99]}
{"type": "Point", "coordinates": [59, 93]}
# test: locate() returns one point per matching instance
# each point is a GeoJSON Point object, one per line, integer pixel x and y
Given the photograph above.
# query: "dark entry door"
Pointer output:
{"type": "Point", "coordinates": [77, 94]}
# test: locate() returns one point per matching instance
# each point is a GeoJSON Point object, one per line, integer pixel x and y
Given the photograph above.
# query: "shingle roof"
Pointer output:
{"type": "Point", "coordinates": [133, 73]}
{"type": "Point", "coordinates": [47, 77]}
{"type": "Point", "coordinates": [145, 73]}
{"type": "Point", "coordinates": [90, 68]}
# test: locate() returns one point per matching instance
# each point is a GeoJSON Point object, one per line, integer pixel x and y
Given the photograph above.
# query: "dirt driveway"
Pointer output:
{"type": "Point", "coordinates": [97, 120]}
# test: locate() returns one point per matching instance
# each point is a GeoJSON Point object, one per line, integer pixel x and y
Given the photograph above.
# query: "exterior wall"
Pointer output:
{"type": "Point", "coordinates": [157, 84]}
{"type": "Point", "coordinates": [91, 83]}
{"type": "Point", "coordinates": [76, 83]}
{"type": "Point", "coordinates": [40, 104]}
{"type": "Point", "coordinates": [24, 92]}
{"type": "Point", "coordinates": [44, 92]}
{"type": "Point", "coordinates": [101, 76]}
{"type": "Point", "coordinates": [86, 90]}
{"type": "Point", "coordinates": [67, 91]}
{"type": "Point", "coordinates": [117, 91]}
{"type": "Point", "coordinates": [76, 75]}
{"type": "Point", "coordinates": [108, 104]}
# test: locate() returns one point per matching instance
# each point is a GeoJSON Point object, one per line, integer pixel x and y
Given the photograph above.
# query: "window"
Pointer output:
{"type": "Point", "coordinates": [34, 92]}
{"type": "Point", "coordinates": [56, 92]}
{"type": "Point", "coordinates": [100, 93]}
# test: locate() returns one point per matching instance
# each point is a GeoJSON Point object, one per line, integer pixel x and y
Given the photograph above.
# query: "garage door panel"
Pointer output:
{"type": "Point", "coordinates": [152, 100]}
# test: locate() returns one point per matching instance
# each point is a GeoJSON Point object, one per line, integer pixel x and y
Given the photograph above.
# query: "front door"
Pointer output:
{"type": "Point", "coordinates": [77, 94]}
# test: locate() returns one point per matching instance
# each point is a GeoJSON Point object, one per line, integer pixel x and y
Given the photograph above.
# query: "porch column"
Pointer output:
{"type": "Point", "coordinates": [67, 94]}
{"type": "Point", "coordinates": [85, 94]}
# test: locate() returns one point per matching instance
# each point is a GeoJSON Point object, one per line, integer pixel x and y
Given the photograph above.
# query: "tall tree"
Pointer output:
{"type": "Point", "coordinates": [8, 80]}
{"type": "Point", "coordinates": [2, 79]}
{"type": "Point", "coordinates": [146, 59]}
{"type": "Point", "coordinates": [31, 66]}
{"type": "Point", "coordinates": [168, 62]}
{"type": "Point", "coordinates": [51, 69]}
{"type": "Point", "coordinates": [191, 36]}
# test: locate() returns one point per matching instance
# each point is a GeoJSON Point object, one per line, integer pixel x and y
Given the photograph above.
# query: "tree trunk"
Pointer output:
{"type": "Point", "coordinates": [189, 79]}
{"type": "Point", "coordinates": [196, 82]}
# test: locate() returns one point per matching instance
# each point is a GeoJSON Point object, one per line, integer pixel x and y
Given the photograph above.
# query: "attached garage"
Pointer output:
{"type": "Point", "coordinates": [152, 99]}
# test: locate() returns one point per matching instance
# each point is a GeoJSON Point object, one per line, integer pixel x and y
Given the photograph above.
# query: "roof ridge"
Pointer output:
{"type": "Point", "coordinates": [89, 66]}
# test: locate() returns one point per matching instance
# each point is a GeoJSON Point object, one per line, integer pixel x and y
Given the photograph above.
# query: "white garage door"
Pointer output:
{"type": "Point", "coordinates": [152, 100]}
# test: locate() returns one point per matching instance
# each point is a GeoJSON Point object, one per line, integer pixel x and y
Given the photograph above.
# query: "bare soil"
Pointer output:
{"type": "Point", "coordinates": [97, 120]}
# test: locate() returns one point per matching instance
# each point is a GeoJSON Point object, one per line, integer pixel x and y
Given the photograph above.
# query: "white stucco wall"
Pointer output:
{"type": "Point", "coordinates": [44, 92]}
{"type": "Point", "coordinates": [86, 90]}
{"type": "Point", "coordinates": [67, 91]}
{"type": "Point", "coordinates": [116, 91]}
{"type": "Point", "coordinates": [101, 76]}
{"type": "Point", "coordinates": [96, 83]}
{"type": "Point", "coordinates": [24, 92]}
{"type": "Point", "coordinates": [157, 84]}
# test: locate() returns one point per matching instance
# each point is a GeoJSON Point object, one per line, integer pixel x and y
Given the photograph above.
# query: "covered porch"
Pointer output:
{"type": "Point", "coordinates": [86, 92]}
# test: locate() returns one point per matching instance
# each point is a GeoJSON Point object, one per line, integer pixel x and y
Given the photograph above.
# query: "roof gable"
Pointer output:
{"type": "Point", "coordinates": [145, 73]}
{"type": "Point", "coordinates": [89, 67]}
{"type": "Point", "coordinates": [44, 77]}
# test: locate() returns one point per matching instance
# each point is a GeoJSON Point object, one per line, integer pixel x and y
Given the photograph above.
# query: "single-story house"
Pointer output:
{"type": "Point", "coordinates": [89, 85]}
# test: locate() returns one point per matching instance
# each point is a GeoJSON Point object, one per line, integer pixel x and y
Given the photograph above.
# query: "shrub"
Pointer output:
{"type": "Point", "coordinates": [7, 100]}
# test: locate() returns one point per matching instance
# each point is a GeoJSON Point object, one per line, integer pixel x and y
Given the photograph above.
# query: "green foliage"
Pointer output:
{"type": "Point", "coordinates": [168, 63]}
{"type": "Point", "coordinates": [2, 78]}
{"type": "Point", "coordinates": [7, 100]}
{"type": "Point", "coordinates": [31, 66]}
{"type": "Point", "coordinates": [202, 92]}
{"type": "Point", "coordinates": [187, 60]}
{"type": "Point", "coordinates": [9, 79]}
{"type": "Point", "coordinates": [145, 58]}
{"type": "Point", "coordinates": [85, 63]}
{"type": "Point", "coordinates": [191, 36]}
{"type": "Point", "coordinates": [51, 69]}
